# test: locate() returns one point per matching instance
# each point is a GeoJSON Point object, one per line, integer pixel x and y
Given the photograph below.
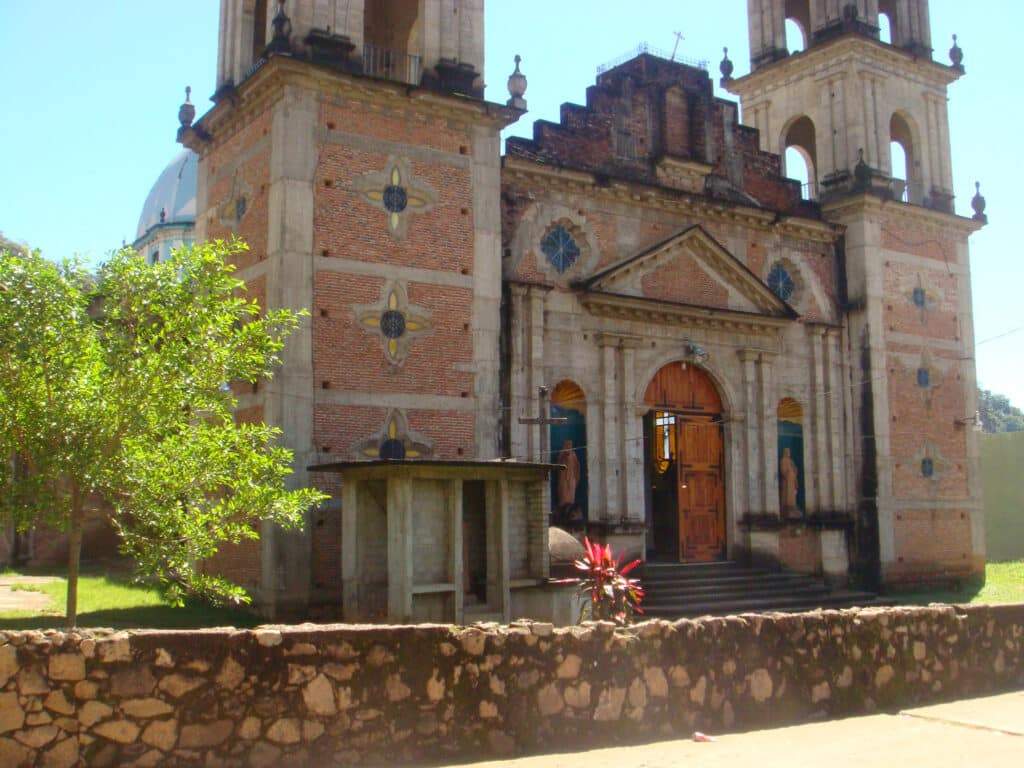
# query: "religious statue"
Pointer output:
{"type": "Point", "coordinates": [789, 482]}
{"type": "Point", "coordinates": [568, 478]}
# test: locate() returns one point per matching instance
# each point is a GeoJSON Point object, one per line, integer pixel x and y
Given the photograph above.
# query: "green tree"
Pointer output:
{"type": "Point", "coordinates": [114, 389]}
{"type": "Point", "coordinates": [997, 414]}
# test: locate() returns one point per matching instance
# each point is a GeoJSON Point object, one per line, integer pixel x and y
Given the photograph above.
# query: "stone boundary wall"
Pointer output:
{"type": "Point", "coordinates": [319, 695]}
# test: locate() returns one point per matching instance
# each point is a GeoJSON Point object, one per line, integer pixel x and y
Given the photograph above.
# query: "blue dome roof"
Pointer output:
{"type": "Point", "coordinates": [174, 193]}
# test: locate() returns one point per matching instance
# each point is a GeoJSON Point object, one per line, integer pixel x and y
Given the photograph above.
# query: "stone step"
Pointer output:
{"type": "Point", "coordinates": [711, 581]}
{"type": "Point", "coordinates": [793, 604]}
{"type": "Point", "coordinates": [753, 589]}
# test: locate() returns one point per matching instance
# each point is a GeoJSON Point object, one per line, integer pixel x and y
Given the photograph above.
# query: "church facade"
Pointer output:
{"type": "Point", "coordinates": [729, 366]}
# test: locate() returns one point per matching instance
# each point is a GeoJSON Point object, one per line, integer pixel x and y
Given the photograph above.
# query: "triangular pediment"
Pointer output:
{"type": "Point", "coordinates": [690, 268]}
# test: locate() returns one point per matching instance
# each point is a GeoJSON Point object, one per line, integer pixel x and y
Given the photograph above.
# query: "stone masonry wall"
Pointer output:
{"type": "Point", "coordinates": [318, 695]}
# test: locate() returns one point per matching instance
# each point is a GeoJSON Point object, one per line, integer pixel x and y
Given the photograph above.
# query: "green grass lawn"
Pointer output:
{"type": "Point", "coordinates": [1004, 583]}
{"type": "Point", "coordinates": [111, 600]}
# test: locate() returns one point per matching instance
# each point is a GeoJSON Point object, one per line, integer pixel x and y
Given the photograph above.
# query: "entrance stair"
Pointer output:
{"type": "Point", "coordinates": [687, 590]}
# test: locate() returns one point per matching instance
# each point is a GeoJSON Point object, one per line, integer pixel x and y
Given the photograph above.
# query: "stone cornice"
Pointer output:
{"type": "Point", "coordinates": [267, 83]}
{"type": "Point", "coordinates": [834, 56]}
{"type": "Point", "coordinates": [578, 182]}
{"type": "Point", "coordinates": [620, 307]}
{"type": "Point", "coordinates": [872, 204]}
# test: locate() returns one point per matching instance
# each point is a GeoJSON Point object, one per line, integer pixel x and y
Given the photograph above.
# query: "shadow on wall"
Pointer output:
{"type": "Point", "coordinates": [1002, 456]}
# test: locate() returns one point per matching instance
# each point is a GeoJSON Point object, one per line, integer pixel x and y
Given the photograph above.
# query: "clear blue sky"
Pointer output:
{"type": "Point", "coordinates": [91, 93]}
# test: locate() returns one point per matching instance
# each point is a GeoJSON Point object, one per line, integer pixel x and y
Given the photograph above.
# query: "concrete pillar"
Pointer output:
{"type": "Point", "coordinates": [834, 419]}
{"type": "Point", "coordinates": [400, 536]}
{"type": "Point", "coordinates": [817, 465]}
{"type": "Point", "coordinates": [751, 442]}
{"type": "Point", "coordinates": [351, 610]}
{"type": "Point", "coordinates": [633, 442]}
{"type": "Point", "coordinates": [486, 180]}
{"type": "Point", "coordinates": [519, 397]}
{"type": "Point", "coordinates": [503, 575]}
{"type": "Point", "coordinates": [289, 403]}
{"type": "Point", "coordinates": [455, 544]}
{"type": "Point", "coordinates": [768, 432]}
{"type": "Point", "coordinates": [612, 435]}
{"type": "Point", "coordinates": [536, 376]}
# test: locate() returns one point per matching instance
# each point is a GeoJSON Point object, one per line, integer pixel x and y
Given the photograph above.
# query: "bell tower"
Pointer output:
{"type": "Point", "coordinates": [349, 145]}
{"type": "Point", "coordinates": [851, 90]}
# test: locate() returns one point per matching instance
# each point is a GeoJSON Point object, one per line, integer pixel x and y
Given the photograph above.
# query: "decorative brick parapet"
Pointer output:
{"type": "Point", "coordinates": [308, 695]}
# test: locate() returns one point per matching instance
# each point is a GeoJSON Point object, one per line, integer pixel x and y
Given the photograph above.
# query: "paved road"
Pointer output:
{"type": "Point", "coordinates": [985, 732]}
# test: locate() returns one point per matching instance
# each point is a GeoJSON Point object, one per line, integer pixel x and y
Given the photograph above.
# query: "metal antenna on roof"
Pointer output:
{"type": "Point", "coordinates": [675, 48]}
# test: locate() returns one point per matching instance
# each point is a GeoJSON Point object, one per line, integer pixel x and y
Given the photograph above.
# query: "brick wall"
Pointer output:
{"type": "Point", "coordinates": [346, 695]}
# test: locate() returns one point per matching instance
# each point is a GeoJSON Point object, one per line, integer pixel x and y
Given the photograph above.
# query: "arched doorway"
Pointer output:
{"type": "Point", "coordinates": [685, 465]}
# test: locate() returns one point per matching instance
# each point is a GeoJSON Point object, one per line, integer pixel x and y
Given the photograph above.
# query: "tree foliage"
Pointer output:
{"type": "Point", "coordinates": [114, 389]}
{"type": "Point", "coordinates": [997, 414]}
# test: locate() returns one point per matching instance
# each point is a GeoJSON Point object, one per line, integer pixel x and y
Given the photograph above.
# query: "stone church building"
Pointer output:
{"type": "Point", "coordinates": [735, 366]}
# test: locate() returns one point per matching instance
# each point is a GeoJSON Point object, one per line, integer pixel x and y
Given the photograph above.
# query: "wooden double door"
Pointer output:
{"type": "Point", "coordinates": [686, 465]}
{"type": "Point", "coordinates": [700, 490]}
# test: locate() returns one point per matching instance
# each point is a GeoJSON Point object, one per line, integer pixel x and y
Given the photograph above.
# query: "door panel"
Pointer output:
{"type": "Point", "coordinates": [701, 490]}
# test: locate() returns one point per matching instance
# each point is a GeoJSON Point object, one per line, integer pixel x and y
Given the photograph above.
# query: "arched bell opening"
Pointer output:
{"type": "Point", "coordinates": [798, 25]}
{"type": "Point", "coordinates": [907, 183]}
{"type": "Point", "coordinates": [684, 466]}
{"type": "Point", "coordinates": [393, 40]}
{"type": "Point", "coordinates": [800, 155]}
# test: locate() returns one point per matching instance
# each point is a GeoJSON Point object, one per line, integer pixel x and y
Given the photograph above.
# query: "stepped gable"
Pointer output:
{"type": "Point", "coordinates": [656, 121]}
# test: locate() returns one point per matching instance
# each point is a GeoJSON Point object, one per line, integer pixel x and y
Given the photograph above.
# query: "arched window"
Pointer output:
{"type": "Point", "coordinates": [569, 448]}
{"type": "Point", "coordinates": [906, 184]}
{"type": "Point", "coordinates": [798, 25]}
{"type": "Point", "coordinates": [800, 155]}
{"type": "Point", "coordinates": [885, 28]}
{"type": "Point", "coordinates": [888, 22]}
{"type": "Point", "coordinates": [791, 458]}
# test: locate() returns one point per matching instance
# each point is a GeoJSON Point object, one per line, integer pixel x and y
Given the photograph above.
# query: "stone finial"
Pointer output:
{"type": "Point", "coordinates": [956, 54]}
{"type": "Point", "coordinates": [979, 204]}
{"type": "Point", "coordinates": [517, 87]}
{"type": "Point", "coordinates": [187, 111]}
{"type": "Point", "coordinates": [726, 67]}
{"type": "Point", "coordinates": [281, 42]}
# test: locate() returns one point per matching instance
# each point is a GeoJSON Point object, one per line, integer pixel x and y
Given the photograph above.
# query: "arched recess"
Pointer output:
{"type": "Point", "coordinates": [798, 25]}
{"type": "Point", "coordinates": [392, 33]}
{"type": "Point", "coordinates": [799, 152]}
{"type": "Point", "coordinates": [569, 487]}
{"type": "Point", "coordinates": [259, 32]}
{"type": "Point", "coordinates": [904, 160]}
{"type": "Point", "coordinates": [791, 458]}
{"type": "Point", "coordinates": [685, 465]}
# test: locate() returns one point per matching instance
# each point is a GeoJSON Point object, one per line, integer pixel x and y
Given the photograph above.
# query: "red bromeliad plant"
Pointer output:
{"type": "Point", "coordinates": [605, 587]}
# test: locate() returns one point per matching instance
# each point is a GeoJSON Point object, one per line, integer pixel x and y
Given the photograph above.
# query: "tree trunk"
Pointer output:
{"type": "Point", "coordinates": [74, 555]}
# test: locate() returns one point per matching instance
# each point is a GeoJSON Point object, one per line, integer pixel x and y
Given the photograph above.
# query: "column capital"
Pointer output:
{"type": "Point", "coordinates": [748, 355]}
{"type": "Point", "coordinates": [624, 341]}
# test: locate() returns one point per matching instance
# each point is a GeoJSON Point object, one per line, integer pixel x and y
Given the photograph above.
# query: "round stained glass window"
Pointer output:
{"type": "Point", "coordinates": [560, 249]}
{"type": "Point", "coordinates": [392, 324]}
{"type": "Point", "coordinates": [781, 283]}
{"type": "Point", "coordinates": [395, 198]}
{"type": "Point", "coordinates": [392, 448]}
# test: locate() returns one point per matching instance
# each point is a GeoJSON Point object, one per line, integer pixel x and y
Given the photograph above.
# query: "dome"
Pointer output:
{"type": "Point", "coordinates": [174, 192]}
